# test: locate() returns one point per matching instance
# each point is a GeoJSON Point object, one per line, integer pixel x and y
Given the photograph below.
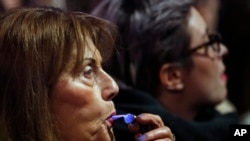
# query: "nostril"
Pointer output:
{"type": "Point", "coordinates": [110, 91]}
{"type": "Point", "coordinates": [111, 96]}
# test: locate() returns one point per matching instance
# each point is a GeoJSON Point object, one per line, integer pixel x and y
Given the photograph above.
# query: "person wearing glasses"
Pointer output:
{"type": "Point", "coordinates": [170, 52]}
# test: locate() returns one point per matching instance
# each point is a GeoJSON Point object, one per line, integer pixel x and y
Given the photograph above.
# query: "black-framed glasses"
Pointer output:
{"type": "Point", "coordinates": [214, 43]}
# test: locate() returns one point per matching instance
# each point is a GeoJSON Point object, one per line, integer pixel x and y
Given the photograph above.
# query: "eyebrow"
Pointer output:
{"type": "Point", "coordinates": [91, 60]}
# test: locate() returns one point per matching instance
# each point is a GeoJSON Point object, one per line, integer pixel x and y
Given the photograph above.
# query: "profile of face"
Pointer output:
{"type": "Point", "coordinates": [205, 83]}
{"type": "Point", "coordinates": [83, 103]}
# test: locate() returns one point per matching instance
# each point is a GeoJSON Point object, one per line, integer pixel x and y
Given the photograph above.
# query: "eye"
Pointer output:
{"type": "Point", "coordinates": [88, 71]}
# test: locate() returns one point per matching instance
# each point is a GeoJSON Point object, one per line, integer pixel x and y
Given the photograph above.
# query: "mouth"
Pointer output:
{"type": "Point", "coordinates": [223, 77]}
{"type": "Point", "coordinates": [109, 121]}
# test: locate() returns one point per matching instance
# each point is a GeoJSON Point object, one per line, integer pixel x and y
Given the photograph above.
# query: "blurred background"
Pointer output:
{"type": "Point", "coordinates": [233, 24]}
{"type": "Point", "coordinates": [234, 27]}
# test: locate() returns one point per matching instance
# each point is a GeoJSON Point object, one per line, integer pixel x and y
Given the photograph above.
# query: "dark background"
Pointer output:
{"type": "Point", "coordinates": [234, 26]}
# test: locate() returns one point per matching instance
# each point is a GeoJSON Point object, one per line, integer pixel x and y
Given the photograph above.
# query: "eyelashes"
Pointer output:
{"type": "Point", "coordinates": [90, 68]}
{"type": "Point", "coordinates": [88, 71]}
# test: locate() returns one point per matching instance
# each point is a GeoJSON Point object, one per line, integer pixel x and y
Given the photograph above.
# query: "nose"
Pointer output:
{"type": "Point", "coordinates": [224, 50]}
{"type": "Point", "coordinates": [109, 87]}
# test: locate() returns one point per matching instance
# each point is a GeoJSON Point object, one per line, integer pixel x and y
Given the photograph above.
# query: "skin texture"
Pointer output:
{"type": "Point", "coordinates": [83, 103]}
{"type": "Point", "coordinates": [51, 74]}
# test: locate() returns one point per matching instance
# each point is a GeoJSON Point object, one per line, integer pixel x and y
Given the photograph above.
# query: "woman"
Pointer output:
{"type": "Point", "coordinates": [53, 87]}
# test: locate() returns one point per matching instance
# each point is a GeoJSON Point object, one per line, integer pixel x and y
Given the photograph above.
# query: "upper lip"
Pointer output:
{"type": "Point", "coordinates": [111, 114]}
{"type": "Point", "coordinates": [109, 120]}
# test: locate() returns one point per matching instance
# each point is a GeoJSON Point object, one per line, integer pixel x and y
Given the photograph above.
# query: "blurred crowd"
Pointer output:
{"type": "Point", "coordinates": [229, 17]}
{"type": "Point", "coordinates": [233, 24]}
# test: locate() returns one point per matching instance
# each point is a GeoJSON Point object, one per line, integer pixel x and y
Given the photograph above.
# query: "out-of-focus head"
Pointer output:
{"type": "Point", "coordinates": [159, 35]}
{"type": "Point", "coordinates": [154, 32]}
{"type": "Point", "coordinates": [205, 82]}
{"type": "Point", "coordinates": [147, 27]}
{"type": "Point", "coordinates": [51, 77]}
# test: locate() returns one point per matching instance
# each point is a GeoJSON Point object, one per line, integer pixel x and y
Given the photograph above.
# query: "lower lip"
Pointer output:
{"type": "Point", "coordinates": [224, 77]}
{"type": "Point", "coordinates": [109, 123]}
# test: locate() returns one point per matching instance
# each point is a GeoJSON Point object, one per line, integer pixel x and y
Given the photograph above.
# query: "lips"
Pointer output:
{"type": "Point", "coordinates": [224, 77]}
{"type": "Point", "coordinates": [109, 121]}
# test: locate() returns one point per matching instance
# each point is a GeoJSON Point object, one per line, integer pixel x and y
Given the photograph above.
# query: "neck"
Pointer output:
{"type": "Point", "coordinates": [178, 104]}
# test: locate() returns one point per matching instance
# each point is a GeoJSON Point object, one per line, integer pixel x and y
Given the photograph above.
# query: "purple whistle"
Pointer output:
{"type": "Point", "coordinates": [128, 118]}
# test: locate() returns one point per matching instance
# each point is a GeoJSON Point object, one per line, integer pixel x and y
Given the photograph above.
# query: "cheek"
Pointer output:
{"type": "Point", "coordinates": [205, 72]}
{"type": "Point", "coordinates": [77, 107]}
{"type": "Point", "coordinates": [206, 84]}
{"type": "Point", "coordinates": [199, 82]}
{"type": "Point", "coordinates": [73, 94]}
{"type": "Point", "coordinates": [72, 97]}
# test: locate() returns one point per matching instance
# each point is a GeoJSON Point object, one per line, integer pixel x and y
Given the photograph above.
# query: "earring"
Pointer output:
{"type": "Point", "coordinates": [179, 86]}
{"type": "Point", "coordinates": [175, 87]}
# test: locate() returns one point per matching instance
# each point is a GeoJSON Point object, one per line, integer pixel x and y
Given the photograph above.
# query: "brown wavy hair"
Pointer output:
{"type": "Point", "coordinates": [36, 46]}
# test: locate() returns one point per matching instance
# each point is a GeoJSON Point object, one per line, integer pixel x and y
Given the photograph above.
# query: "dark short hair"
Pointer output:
{"type": "Point", "coordinates": [153, 32]}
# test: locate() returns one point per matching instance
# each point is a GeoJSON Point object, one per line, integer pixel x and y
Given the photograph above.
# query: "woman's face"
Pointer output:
{"type": "Point", "coordinates": [206, 82]}
{"type": "Point", "coordinates": [83, 104]}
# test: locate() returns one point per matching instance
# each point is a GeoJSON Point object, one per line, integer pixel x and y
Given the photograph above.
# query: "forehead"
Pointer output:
{"type": "Point", "coordinates": [92, 52]}
{"type": "Point", "coordinates": [196, 27]}
{"type": "Point", "coordinates": [77, 59]}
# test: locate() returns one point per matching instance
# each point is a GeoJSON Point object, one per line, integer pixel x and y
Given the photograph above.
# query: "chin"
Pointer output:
{"type": "Point", "coordinates": [213, 101]}
{"type": "Point", "coordinates": [221, 97]}
{"type": "Point", "coordinates": [111, 134]}
{"type": "Point", "coordinates": [217, 102]}
{"type": "Point", "coordinates": [107, 135]}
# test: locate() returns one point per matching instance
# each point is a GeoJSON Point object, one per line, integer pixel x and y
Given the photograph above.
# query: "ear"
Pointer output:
{"type": "Point", "coordinates": [171, 77]}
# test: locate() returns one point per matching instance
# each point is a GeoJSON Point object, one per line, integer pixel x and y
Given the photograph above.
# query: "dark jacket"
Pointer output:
{"type": "Point", "coordinates": [209, 125]}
